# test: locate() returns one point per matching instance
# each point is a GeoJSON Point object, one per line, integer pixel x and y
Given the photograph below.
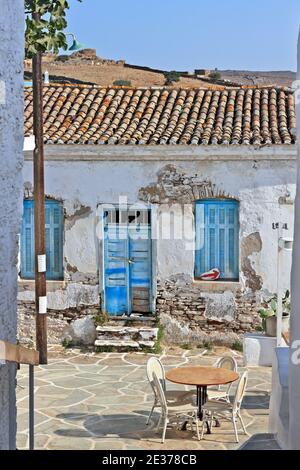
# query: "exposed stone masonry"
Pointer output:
{"type": "Point", "coordinates": [58, 321]}
{"type": "Point", "coordinates": [191, 315]}
{"type": "Point", "coordinates": [175, 186]}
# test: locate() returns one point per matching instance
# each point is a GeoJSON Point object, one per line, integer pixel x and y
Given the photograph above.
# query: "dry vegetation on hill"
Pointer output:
{"type": "Point", "coordinates": [85, 66]}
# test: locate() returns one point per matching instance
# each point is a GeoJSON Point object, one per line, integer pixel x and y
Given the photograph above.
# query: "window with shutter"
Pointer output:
{"type": "Point", "coordinates": [54, 224]}
{"type": "Point", "coordinates": [217, 237]}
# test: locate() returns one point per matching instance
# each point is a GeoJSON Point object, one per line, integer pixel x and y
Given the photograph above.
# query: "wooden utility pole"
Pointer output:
{"type": "Point", "coordinates": [39, 203]}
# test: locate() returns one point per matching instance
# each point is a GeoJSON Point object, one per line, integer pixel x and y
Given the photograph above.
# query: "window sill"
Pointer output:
{"type": "Point", "coordinates": [29, 284]}
{"type": "Point", "coordinates": [217, 286]}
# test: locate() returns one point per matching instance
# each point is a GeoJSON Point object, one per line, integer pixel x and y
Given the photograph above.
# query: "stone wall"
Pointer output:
{"type": "Point", "coordinates": [175, 186]}
{"type": "Point", "coordinates": [58, 321]}
{"type": "Point", "coordinates": [11, 146]}
{"type": "Point", "coordinates": [196, 313]}
{"type": "Point", "coordinates": [67, 301]}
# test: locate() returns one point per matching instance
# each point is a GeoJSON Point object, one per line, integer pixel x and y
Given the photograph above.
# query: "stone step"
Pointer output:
{"type": "Point", "coordinates": [125, 329]}
{"type": "Point", "coordinates": [116, 343]}
{"type": "Point", "coordinates": [120, 337]}
{"type": "Point", "coordinates": [123, 344]}
{"type": "Point", "coordinates": [133, 320]}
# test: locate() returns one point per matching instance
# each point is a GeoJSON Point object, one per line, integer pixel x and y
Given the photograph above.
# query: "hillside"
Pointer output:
{"type": "Point", "coordinates": [282, 78]}
{"type": "Point", "coordinates": [86, 67]}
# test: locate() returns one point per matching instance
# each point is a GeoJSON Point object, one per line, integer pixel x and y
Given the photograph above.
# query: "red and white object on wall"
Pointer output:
{"type": "Point", "coordinates": [211, 275]}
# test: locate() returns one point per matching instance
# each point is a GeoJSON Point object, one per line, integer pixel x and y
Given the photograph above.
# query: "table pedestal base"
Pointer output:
{"type": "Point", "coordinates": [201, 400]}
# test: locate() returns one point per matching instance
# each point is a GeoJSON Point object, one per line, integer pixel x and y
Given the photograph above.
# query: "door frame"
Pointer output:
{"type": "Point", "coordinates": [101, 261]}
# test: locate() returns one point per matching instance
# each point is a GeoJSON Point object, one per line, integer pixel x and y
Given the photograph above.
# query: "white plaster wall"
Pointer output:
{"type": "Point", "coordinates": [257, 185]}
{"type": "Point", "coordinates": [175, 255]}
{"type": "Point", "coordinates": [11, 146]}
{"type": "Point", "coordinates": [81, 245]}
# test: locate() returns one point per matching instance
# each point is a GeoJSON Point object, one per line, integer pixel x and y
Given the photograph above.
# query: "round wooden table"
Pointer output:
{"type": "Point", "coordinates": [201, 377]}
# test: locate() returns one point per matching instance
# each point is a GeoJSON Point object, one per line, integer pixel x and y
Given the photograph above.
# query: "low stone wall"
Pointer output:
{"type": "Point", "coordinates": [67, 302]}
{"type": "Point", "coordinates": [189, 314]}
{"type": "Point", "coordinates": [191, 311]}
{"type": "Point", "coordinates": [58, 321]}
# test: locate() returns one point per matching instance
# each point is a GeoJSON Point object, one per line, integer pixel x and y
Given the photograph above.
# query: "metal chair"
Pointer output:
{"type": "Point", "coordinates": [154, 366]}
{"type": "Point", "coordinates": [221, 393]}
{"type": "Point", "coordinates": [214, 409]}
{"type": "Point", "coordinates": [173, 411]}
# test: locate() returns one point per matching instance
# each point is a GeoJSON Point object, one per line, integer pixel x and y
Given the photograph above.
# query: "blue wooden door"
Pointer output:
{"type": "Point", "coordinates": [140, 268]}
{"type": "Point", "coordinates": [127, 265]}
{"type": "Point", "coordinates": [116, 269]}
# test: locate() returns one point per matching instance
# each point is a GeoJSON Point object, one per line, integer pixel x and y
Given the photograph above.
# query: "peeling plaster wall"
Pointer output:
{"type": "Point", "coordinates": [11, 145]}
{"type": "Point", "coordinates": [258, 185]}
{"type": "Point", "coordinates": [258, 188]}
{"type": "Point", "coordinates": [80, 244]}
{"type": "Point", "coordinates": [175, 255]}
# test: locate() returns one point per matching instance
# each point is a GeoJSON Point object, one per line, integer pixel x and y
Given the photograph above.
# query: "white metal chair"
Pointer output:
{"type": "Point", "coordinates": [174, 411]}
{"type": "Point", "coordinates": [221, 392]}
{"type": "Point", "coordinates": [214, 409]}
{"type": "Point", "coordinates": [154, 366]}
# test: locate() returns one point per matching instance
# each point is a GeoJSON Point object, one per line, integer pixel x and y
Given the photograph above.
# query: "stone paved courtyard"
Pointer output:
{"type": "Point", "coordinates": [101, 401]}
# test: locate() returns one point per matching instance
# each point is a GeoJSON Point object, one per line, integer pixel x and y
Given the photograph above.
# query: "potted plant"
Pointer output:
{"type": "Point", "coordinates": [268, 314]}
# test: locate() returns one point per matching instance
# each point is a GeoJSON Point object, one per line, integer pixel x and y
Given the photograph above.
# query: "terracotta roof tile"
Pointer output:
{"type": "Point", "coordinates": [148, 116]}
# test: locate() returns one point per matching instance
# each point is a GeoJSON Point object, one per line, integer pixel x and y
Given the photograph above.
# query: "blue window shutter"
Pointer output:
{"type": "Point", "coordinates": [54, 240]}
{"type": "Point", "coordinates": [27, 241]}
{"type": "Point", "coordinates": [48, 249]}
{"type": "Point", "coordinates": [217, 237]}
{"type": "Point", "coordinates": [222, 250]}
{"type": "Point", "coordinates": [200, 257]}
{"type": "Point", "coordinates": [212, 248]}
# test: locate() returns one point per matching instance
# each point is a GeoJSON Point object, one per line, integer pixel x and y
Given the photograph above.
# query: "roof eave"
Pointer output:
{"type": "Point", "coordinates": [67, 152]}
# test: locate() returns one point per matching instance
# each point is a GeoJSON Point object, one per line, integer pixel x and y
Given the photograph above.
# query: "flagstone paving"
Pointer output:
{"type": "Point", "coordinates": [101, 401]}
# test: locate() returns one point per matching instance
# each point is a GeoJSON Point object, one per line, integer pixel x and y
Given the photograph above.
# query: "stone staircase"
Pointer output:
{"type": "Point", "coordinates": [127, 333]}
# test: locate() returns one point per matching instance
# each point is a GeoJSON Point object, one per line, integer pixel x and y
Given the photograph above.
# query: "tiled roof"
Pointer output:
{"type": "Point", "coordinates": [127, 116]}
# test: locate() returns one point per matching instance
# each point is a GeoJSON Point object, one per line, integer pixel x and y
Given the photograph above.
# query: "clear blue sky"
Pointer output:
{"type": "Point", "coordinates": [188, 34]}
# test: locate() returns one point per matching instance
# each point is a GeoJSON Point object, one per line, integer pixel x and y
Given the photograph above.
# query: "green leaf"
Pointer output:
{"type": "Point", "coordinates": [47, 33]}
{"type": "Point", "coordinates": [273, 305]}
{"type": "Point", "coordinates": [270, 313]}
{"type": "Point", "coordinates": [262, 312]}
{"type": "Point", "coordinates": [287, 294]}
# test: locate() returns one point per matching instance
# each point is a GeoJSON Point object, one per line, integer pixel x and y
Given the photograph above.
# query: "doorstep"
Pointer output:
{"type": "Point", "coordinates": [119, 337]}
